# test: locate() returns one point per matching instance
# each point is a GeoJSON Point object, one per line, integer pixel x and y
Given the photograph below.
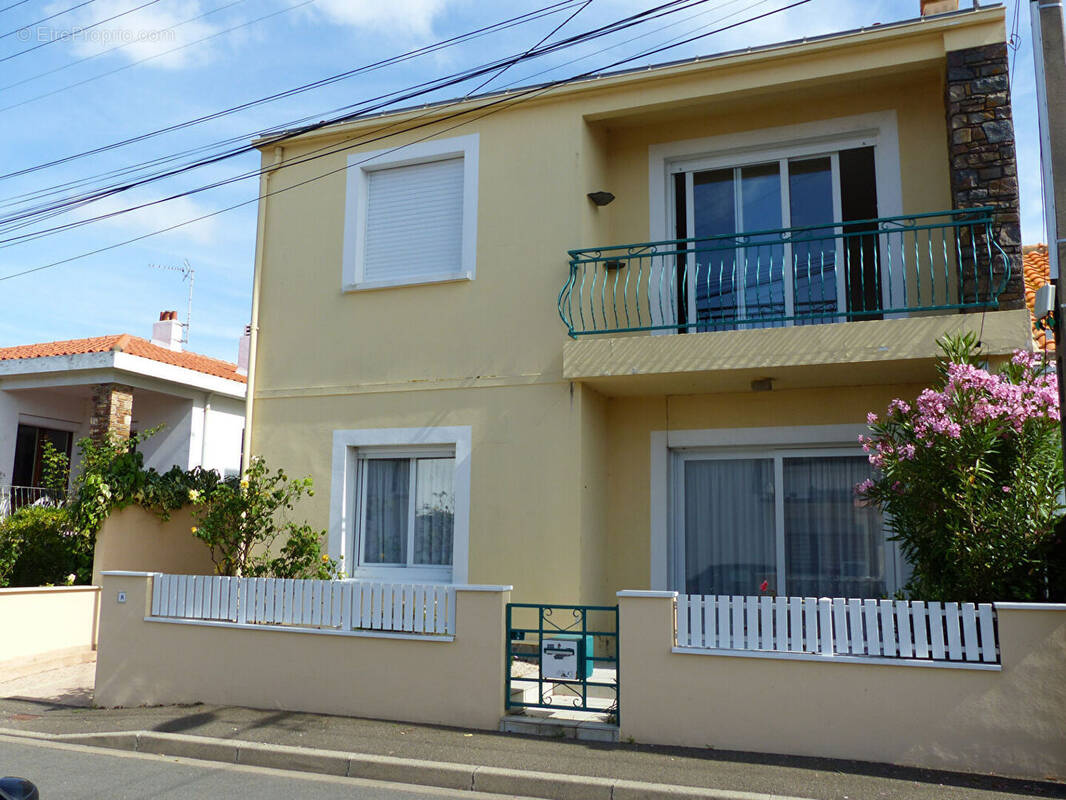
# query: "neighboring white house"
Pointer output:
{"type": "Point", "coordinates": [63, 391]}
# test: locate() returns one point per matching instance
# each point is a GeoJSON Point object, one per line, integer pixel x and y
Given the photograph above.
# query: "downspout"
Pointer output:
{"type": "Point", "coordinates": [203, 431]}
{"type": "Point", "coordinates": [257, 279]}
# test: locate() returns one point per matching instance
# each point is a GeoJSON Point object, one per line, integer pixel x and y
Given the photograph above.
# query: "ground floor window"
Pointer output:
{"type": "Point", "coordinates": [406, 514]}
{"type": "Point", "coordinates": [787, 519]}
{"type": "Point", "coordinates": [400, 503]}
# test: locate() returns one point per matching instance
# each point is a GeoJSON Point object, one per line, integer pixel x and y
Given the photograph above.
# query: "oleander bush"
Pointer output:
{"type": "Point", "coordinates": [970, 478]}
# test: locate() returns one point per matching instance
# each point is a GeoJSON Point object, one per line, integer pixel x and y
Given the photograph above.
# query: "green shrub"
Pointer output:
{"type": "Point", "coordinates": [970, 477]}
{"type": "Point", "coordinates": [48, 549]}
{"type": "Point", "coordinates": [240, 521]}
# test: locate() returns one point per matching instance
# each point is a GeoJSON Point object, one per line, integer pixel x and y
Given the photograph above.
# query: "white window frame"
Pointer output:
{"type": "Point", "coordinates": [349, 446]}
{"type": "Point", "coordinates": [669, 450]}
{"type": "Point", "coordinates": [361, 164]}
{"type": "Point", "coordinates": [789, 142]}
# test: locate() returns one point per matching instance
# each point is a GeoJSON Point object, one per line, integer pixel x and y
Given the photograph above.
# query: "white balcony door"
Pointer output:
{"type": "Point", "coordinates": [748, 274]}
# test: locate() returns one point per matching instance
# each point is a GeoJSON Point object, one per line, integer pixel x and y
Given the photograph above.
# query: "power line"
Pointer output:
{"type": "Point", "coordinates": [154, 56]}
{"type": "Point", "coordinates": [116, 48]}
{"type": "Point", "coordinates": [420, 90]}
{"type": "Point", "coordinates": [315, 154]}
{"type": "Point", "coordinates": [243, 138]}
{"type": "Point", "coordinates": [287, 93]}
{"type": "Point", "coordinates": [76, 32]}
{"type": "Point", "coordinates": [38, 194]}
{"type": "Point", "coordinates": [45, 19]}
{"type": "Point", "coordinates": [8, 8]}
{"type": "Point", "coordinates": [509, 100]}
{"type": "Point", "coordinates": [550, 34]}
{"type": "Point", "coordinates": [653, 13]}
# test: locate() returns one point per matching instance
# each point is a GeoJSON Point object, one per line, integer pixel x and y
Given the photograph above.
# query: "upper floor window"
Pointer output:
{"type": "Point", "coordinates": [411, 214]}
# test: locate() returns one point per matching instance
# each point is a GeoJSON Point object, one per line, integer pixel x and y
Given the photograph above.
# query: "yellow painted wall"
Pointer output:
{"type": "Point", "coordinates": [531, 522]}
{"type": "Point", "coordinates": [135, 539]}
{"type": "Point", "coordinates": [488, 352]}
{"type": "Point", "coordinates": [460, 682]}
{"type": "Point", "coordinates": [45, 622]}
{"type": "Point", "coordinates": [1010, 722]}
{"type": "Point", "coordinates": [631, 422]}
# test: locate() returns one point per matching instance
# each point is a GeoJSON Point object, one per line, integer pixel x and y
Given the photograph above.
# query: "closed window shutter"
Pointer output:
{"type": "Point", "coordinates": [414, 221]}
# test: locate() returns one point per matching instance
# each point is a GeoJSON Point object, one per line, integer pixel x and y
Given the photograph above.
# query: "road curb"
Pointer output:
{"type": "Point", "coordinates": [440, 774]}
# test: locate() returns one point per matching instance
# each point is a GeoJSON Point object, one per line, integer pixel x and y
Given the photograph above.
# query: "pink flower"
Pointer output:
{"type": "Point", "coordinates": [871, 418]}
{"type": "Point", "coordinates": [1006, 489]}
{"type": "Point", "coordinates": [864, 487]}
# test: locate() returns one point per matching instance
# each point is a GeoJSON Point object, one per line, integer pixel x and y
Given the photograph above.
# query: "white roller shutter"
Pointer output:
{"type": "Point", "coordinates": [414, 221]}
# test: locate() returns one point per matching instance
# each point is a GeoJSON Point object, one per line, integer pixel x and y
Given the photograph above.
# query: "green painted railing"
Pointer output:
{"type": "Point", "coordinates": [856, 270]}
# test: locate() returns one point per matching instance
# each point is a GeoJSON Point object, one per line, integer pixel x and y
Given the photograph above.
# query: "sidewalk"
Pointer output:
{"type": "Point", "coordinates": [725, 771]}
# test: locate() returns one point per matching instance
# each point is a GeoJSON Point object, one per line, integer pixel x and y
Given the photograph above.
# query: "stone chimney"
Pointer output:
{"type": "Point", "coordinates": [243, 347]}
{"type": "Point", "coordinates": [168, 331]}
{"type": "Point", "coordinates": [930, 7]}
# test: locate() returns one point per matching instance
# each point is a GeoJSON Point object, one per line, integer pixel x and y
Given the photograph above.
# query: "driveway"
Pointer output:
{"type": "Point", "coordinates": [61, 686]}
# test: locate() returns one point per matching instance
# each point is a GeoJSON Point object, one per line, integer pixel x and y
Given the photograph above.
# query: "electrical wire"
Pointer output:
{"type": "Point", "coordinates": [493, 107]}
{"type": "Point", "coordinates": [286, 93]}
{"type": "Point", "coordinates": [390, 99]}
{"type": "Point", "coordinates": [13, 5]}
{"type": "Point", "coordinates": [154, 56]}
{"type": "Point", "coordinates": [45, 19]}
{"type": "Point", "coordinates": [76, 31]}
{"type": "Point", "coordinates": [244, 137]}
{"type": "Point", "coordinates": [116, 48]}
{"type": "Point", "coordinates": [313, 155]}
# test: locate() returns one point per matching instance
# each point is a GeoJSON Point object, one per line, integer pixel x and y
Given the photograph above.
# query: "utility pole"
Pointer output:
{"type": "Point", "coordinates": [1049, 54]}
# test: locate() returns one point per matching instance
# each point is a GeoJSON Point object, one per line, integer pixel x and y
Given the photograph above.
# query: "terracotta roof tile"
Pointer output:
{"type": "Point", "coordinates": [124, 343]}
{"type": "Point", "coordinates": [1036, 270]}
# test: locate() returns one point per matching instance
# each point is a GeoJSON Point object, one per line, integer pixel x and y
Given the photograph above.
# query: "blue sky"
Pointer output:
{"type": "Point", "coordinates": [175, 60]}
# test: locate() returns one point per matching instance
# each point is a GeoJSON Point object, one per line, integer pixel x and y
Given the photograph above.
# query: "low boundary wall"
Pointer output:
{"type": "Point", "coordinates": [448, 680]}
{"type": "Point", "coordinates": [136, 539]}
{"type": "Point", "coordinates": [1009, 720]}
{"type": "Point", "coordinates": [46, 622]}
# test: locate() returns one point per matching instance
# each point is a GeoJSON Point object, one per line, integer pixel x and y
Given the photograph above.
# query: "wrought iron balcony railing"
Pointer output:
{"type": "Point", "coordinates": [856, 270]}
{"type": "Point", "coordinates": [12, 498]}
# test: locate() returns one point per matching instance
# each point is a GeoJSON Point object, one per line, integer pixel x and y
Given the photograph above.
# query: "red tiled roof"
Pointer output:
{"type": "Point", "coordinates": [1036, 270]}
{"type": "Point", "coordinates": [132, 345]}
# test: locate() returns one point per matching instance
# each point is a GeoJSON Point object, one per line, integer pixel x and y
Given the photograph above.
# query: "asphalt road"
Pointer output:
{"type": "Point", "coordinates": [79, 773]}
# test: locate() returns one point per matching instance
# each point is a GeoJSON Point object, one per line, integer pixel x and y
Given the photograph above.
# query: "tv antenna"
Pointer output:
{"type": "Point", "coordinates": [187, 274]}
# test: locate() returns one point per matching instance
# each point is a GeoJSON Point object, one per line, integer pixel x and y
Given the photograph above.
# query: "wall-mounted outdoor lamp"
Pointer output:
{"type": "Point", "coordinates": [601, 198]}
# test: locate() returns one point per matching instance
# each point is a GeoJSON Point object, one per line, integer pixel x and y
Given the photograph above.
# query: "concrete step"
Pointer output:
{"type": "Point", "coordinates": [527, 691]}
{"type": "Point", "coordinates": [558, 726]}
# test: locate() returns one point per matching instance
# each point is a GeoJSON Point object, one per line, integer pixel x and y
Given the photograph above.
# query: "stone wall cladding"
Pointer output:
{"type": "Point", "coordinates": [112, 411]}
{"type": "Point", "coordinates": [983, 167]}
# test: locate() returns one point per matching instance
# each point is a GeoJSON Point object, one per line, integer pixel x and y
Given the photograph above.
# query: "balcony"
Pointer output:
{"type": "Point", "coordinates": [863, 270]}
{"type": "Point", "coordinates": [764, 304]}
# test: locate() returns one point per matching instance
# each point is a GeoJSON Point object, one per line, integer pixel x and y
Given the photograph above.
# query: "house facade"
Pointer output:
{"type": "Point", "coordinates": [60, 392]}
{"type": "Point", "coordinates": [624, 334]}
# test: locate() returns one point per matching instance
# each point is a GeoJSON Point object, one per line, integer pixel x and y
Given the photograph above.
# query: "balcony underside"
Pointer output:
{"type": "Point", "coordinates": [838, 354]}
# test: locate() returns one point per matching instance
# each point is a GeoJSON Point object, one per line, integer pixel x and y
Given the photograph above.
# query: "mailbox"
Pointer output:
{"type": "Point", "coordinates": [566, 657]}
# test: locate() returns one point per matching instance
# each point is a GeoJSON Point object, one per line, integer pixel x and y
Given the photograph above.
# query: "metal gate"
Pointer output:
{"type": "Point", "coordinates": [563, 657]}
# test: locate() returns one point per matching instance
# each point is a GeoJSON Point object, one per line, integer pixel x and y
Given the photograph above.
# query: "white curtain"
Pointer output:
{"type": "Point", "coordinates": [834, 544]}
{"type": "Point", "coordinates": [385, 521]}
{"type": "Point", "coordinates": [729, 526]}
{"type": "Point", "coordinates": [434, 510]}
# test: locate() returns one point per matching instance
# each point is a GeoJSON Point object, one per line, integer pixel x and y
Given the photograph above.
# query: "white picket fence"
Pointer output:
{"type": "Point", "coordinates": [418, 608]}
{"type": "Point", "coordinates": [900, 629]}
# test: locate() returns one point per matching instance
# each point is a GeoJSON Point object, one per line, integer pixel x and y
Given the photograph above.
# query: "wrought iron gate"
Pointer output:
{"type": "Point", "coordinates": [563, 657]}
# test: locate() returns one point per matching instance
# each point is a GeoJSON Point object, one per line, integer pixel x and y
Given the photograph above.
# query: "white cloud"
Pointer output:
{"type": "Point", "coordinates": [157, 32]}
{"type": "Point", "coordinates": [153, 218]}
{"type": "Point", "coordinates": [411, 17]}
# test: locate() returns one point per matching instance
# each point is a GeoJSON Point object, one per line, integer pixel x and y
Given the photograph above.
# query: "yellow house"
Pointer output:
{"type": "Point", "coordinates": [623, 334]}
